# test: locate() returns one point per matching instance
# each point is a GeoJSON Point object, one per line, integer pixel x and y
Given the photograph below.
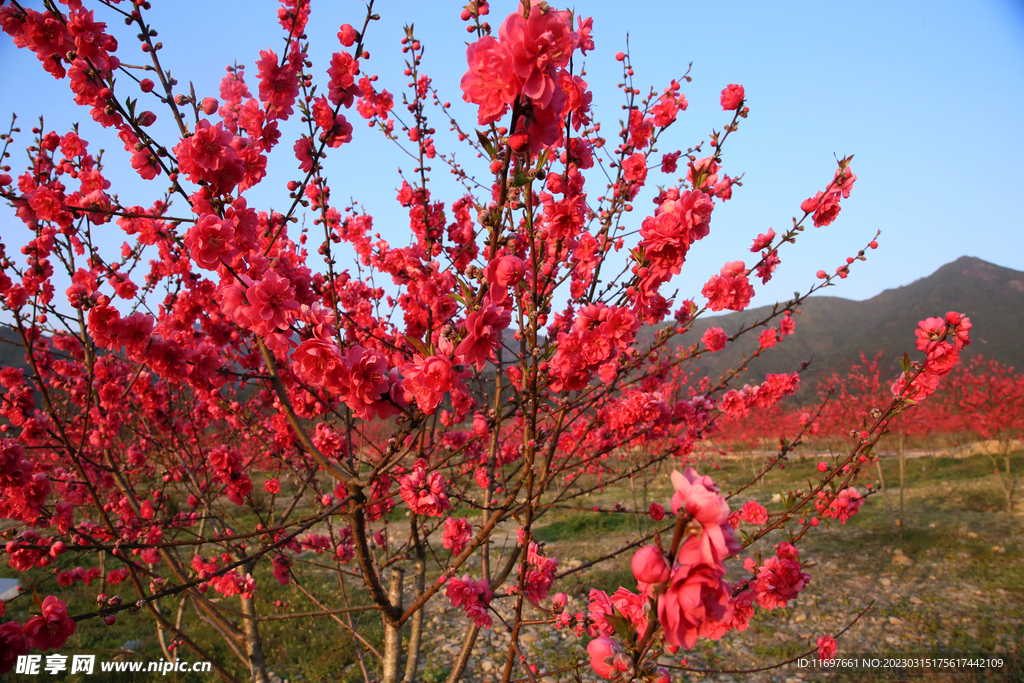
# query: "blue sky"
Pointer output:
{"type": "Point", "coordinates": [927, 96]}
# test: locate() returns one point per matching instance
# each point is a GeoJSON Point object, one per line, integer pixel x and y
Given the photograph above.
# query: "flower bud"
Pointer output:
{"type": "Point", "coordinates": [649, 565]}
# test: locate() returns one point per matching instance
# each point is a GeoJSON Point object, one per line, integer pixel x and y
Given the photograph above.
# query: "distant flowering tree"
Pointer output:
{"type": "Point", "coordinates": [212, 399]}
{"type": "Point", "coordinates": [852, 400]}
{"type": "Point", "coordinates": [988, 400]}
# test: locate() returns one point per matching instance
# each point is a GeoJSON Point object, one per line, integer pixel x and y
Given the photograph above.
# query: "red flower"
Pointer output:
{"type": "Point", "coordinates": [490, 81]}
{"type": "Point", "coordinates": [51, 630]}
{"type": "Point", "coordinates": [210, 241]}
{"type": "Point", "coordinates": [732, 97]}
{"type": "Point", "coordinates": [12, 644]}
{"type": "Point", "coordinates": [456, 534]}
{"type": "Point", "coordinates": [827, 648]}
{"type": "Point", "coordinates": [649, 565]}
{"type": "Point", "coordinates": [754, 512]}
{"type": "Point", "coordinates": [427, 380]}
{"type": "Point", "coordinates": [272, 303]}
{"type": "Point", "coordinates": [483, 334]}
{"type": "Point", "coordinates": [714, 338]}
{"type": "Point", "coordinates": [424, 493]}
{"type": "Point", "coordinates": [825, 208]}
{"type": "Point", "coordinates": [634, 168]}
{"type": "Point", "coordinates": [539, 46]}
{"type": "Point", "coordinates": [695, 601]}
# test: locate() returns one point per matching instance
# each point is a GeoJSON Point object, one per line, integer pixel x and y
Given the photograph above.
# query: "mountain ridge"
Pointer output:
{"type": "Point", "coordinates": [835, 331]}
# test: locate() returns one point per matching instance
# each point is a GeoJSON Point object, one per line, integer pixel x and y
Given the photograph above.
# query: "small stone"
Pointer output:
{"type": "Point", "coordinates": [528, 637]}
{"type": "Point", "coordinates": [885, 582]}
{"type": "Point", "coordinates": [487, 665]}
{"type": "Point", "coordinates": [895, 621]}
{"type": "Point", "coordinates": [914, 600]}
{"type": "Point", "coordinates": [435, 620]}
{"type": "Point", "coordinates": [799, 618]}
{"type": "Point", "coordinates": [132, 645]}
{"type": "Point", "coordinates": [971, 534]}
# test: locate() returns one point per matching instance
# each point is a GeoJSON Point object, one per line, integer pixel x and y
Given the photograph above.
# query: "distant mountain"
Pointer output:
{"type": "Point", "coordinates": [835, 331]}
{"type": "Point", "coordinates": [12, 353]}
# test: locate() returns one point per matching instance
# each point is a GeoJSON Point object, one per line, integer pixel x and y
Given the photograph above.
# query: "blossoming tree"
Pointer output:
{"type": "Point", "coordinates": [987, 399]}
{"type": "Point", "coordinates": [217, 396]}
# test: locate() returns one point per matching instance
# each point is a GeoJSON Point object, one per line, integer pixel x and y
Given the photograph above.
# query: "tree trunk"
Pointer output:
{"type": "Point", "coordinates": [1011, 483]}
{"type": "Point", "coordinates": [903, 481]}
{"type": "Point", "coordinates": [253, 642]}
{"type": "Point", "coordinates": [464, 654]}
{"type": "Point", "coordinates": [393, 634]}
{"type": "Point", "coordinates": [416, 633]}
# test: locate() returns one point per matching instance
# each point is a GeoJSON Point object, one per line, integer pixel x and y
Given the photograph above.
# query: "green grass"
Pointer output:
{"type": "Point", "coordinates": [583, 526]}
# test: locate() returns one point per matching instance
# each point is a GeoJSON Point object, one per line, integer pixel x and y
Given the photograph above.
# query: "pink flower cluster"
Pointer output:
{"type": "Point", "coordinates": [424, 493]}
{"type": "Point", "coordinates": [693, 600]}
{"type": "Point", "coordinates": [427, 380]}
{"type": "Point", "coordinates": [540, 572]}
{"type": "Point", "coordinates": [697, 599]}
{"type": "Point", "coordinates": [825, 205]}
{"type": "Point", "coordinates": [26, 553]}
{"type": "Point", "coordinates": [227, 462]}
{"type": "Point", "coordinates": [680, 219]}
{"type": "Point", "coordinates": [473, 597]}
{"type": "Point", "coordinates": [51, 629]}
{"type": "Point", "coordinates": [599, 334]}
{"type": "Point", "coordinates": [624, 603]}
{"type": "Point", "coordinates": [607, 658]}
{"type": "Point", "coordinates": [739, 402]}
{"type": "Point", "coordinates": [483, 334]}
{"type": "Point", "coordinates": [730, 290]}
{"type": "Point", "coordinates": [754, 513]}
{"type": "Point", "coordinates": [22, 492]}
{"type": "Point", "coordinates": [827, 648]}
{"type": "Point", "coordinates": [527, 60]}
{"type": "Point", "coordinates": [780, 578]}
{"type": "Point", "coordinates": [943, 355]}
{"type": "Point", "coordinates": [12, 644]}
{"type": "Point", "coordinates": [360, 376]}
{"type": "Point", "coordinates": [86, 576]}
{"type": "Point", "coordinates": [231, 583]}
{"type": "Point", "coordinates": [456, 534]}
{"type": "Point", "coordinates": [841, 507]}
{"type": "Point", "coordinates": [699, 497]}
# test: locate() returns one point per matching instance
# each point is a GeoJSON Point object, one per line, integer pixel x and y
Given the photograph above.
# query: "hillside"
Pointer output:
{"type": "Point", "coordinates": [835, 331]}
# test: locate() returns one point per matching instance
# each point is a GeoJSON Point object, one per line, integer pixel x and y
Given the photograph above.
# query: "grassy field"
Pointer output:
{"type": "Point", "coordinates": [949, 579]}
